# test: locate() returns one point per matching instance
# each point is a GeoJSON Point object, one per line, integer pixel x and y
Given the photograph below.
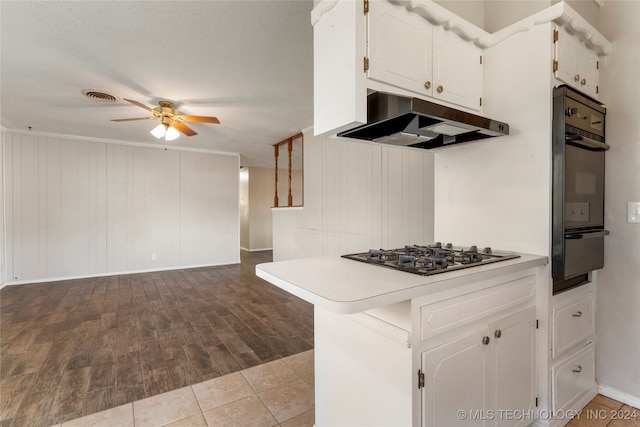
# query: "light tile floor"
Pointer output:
{"type": "Point", "coordinates": [278, 393]}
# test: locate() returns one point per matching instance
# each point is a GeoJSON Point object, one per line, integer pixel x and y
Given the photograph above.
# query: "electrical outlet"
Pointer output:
{"type": "Point", "coordinates": [153, 257]}
{"type": "Point", "coordinates": [633, 212]}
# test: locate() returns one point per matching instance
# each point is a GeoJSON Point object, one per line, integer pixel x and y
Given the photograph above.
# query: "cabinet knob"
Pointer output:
{"type": "Point", "coordinates": [576, 78]}
{"type": "Point", "coordinates": [440, 89]}
{"type": "Point", "coordinates": [497, 333]}
{"type": "Point", "coordinates": [577, 370]}
{"type": "Point", "coordinates": [427, 85]}
{"type": "Point", "coordinates": [578, 314]}
{"type": "Point", "coordinates": [486, 340]}
{"type": "Point", "coordinates": [583, 82]}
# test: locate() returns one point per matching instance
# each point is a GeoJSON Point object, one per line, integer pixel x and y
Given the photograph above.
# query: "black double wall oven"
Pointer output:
{"type": "Point", "coordinates": [577, 188]}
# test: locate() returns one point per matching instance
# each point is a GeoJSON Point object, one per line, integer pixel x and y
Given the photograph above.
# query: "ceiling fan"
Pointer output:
{"type": "Point", "coordinates": [170, 120]}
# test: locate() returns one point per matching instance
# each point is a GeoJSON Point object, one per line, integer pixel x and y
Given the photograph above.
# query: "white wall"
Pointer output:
{"type": "Point", "coordinates": [500, 14]}
{"type": "Point", "coordinates": [244, 208]}
{"type": "Point", "coordinates": [78, 208]}
{"type": "Point", "coordinates": [3, 269]}
{"type": "Point", "coordinates": [358, 196]}
{"type": "Point", "coordinates": [496, 192]}
{"type": "Point", "coordinates": [471, 10]}
{"type": "Point", "coordinates": [494, 15]}
{"type": "Point", "coordinates": [618, 294]}
{"type": "Point", "coordinates": [261, 191]}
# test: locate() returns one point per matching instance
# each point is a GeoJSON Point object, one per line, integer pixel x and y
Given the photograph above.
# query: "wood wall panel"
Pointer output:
{"type": "Point", "coordinates": [80, 208]}
{"type": "Point", "coordinates": [357, 196]}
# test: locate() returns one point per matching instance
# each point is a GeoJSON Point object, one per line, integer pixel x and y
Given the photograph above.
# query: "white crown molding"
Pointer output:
{"type": "Point", "coordinates": [118, 142]}
{"type": "Point", "coordinates": [560, 13]}
{"type": "Point", "coordinates": [578, 26]}
{"type": "Point", "coordinates": [320, 9]}
{"type": "Point", "coordinates": [441, 17]}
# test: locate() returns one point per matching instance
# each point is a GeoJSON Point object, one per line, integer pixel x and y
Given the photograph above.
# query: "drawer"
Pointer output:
{"type": "Point", "coordinates": [572, 323]}
{"type": "Point", "coordinates": [573, 378]}
{"type": "Point", "coordinates": [449, 314]}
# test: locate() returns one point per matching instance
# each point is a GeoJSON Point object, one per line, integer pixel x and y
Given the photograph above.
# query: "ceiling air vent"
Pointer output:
{"type": "Point", "coordinates": [98, 95]}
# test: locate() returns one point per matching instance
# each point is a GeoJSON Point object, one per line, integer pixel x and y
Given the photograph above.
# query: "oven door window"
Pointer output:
{"type": "Point", "coordinates": [584, 188]}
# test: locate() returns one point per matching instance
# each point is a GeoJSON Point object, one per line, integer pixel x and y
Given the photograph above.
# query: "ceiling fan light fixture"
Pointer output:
{"type": "Point", "coordinates": [163, 130]}
{"type": "Point", "coordinates": [158, 131]}
{"type": "Point", "coordinates": [172, 123]}
{"type": "Point", "coordinates": [171, 134]}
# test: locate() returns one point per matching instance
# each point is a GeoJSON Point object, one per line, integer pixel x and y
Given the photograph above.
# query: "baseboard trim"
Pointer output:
{"type": "Point", "coordinates": [620, 396]}
{"type": "Point", "coordinates": [256, 250]}
{"type": "Point", "coordinates": [117, 273]}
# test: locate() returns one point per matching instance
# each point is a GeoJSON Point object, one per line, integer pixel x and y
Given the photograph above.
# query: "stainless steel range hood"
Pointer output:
{"type": "Point", "coordinates": [397, 120]}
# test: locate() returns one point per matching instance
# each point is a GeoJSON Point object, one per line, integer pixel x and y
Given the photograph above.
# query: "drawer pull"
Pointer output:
{"type": "Point", "coordinates": [578, 314]}
{"type": "Point", "coordinates": [498, 333]}
{"type": "Point", "coordinates": [578, 369]}
{"type": "Point", "coordinates": [486, 340]}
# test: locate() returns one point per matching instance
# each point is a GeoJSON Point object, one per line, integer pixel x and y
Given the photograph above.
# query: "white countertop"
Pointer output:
{"type": "Point", "coordinates": [346, 286]}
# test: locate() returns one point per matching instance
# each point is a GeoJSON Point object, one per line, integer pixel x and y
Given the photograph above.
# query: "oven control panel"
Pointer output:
{"type": "Point", "coordinates": [584, 117]}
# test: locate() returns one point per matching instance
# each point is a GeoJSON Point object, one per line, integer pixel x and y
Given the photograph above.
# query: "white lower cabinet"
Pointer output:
{"type": "Point", "coordinates": [573, 381]}
{"type": "Point", "coordinates": [574, 322]}
{"type": "Point", "coordinates": [514, 368]}
{"type": "Point", "coordinates": [485, 377]}
{"type": "Point", "coordinates": [463, 355]}
{"type": "Point", "coordinates": [455, 378]}
{"type": "Point", "coordinates": [573, 378]}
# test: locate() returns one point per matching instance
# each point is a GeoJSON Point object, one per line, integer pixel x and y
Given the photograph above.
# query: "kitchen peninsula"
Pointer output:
{"type": "Point", "coordinates": [377, 330]}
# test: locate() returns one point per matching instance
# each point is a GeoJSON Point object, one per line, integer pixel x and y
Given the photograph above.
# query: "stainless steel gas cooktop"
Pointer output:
{"type": "Point", "coordinates": [431, 259]}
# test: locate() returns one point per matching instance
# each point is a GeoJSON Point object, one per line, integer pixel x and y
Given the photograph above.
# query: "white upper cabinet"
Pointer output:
{"type": "Point", "coordinates": [457, 70]}
{"type": "Point", "coordinates": [574, 63]}
{"type": "Point", "coordinates": [419, 48]}
{"type": "Point", "coordinates": [407, 52]}
{"type": "Point", "coordinates": [399, 48]}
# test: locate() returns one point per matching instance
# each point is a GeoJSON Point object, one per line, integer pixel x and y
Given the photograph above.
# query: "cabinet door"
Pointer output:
{"type": "Point", "coordinates": [587, 61]}
{"type": "Point", "coordinates": [457, 69]}
{"type": "Point", "coordinates": [576, 63]}
{"type": "Point", "coordinates": [456, 379]}
{"type": "Point", "coordinates": [399, 47]}
{"type": "Point", "coordinates": [513, 363]}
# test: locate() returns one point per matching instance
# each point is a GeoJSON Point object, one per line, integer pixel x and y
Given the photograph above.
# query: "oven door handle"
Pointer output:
{"type": "Point", "coordinates": [584, 142]}
{"type": "Point", "coordinates": [591, 235]}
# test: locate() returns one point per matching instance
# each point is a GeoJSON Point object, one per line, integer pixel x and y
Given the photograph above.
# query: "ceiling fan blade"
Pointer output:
{"type": "Point", "coordinates": [199, 119]}
{"type": "Point", "coordinates": [138, 104]}
{"type": "Point", "coordinates": [183, 128]}
{"type": "Point", "coordinates": [137, 118]}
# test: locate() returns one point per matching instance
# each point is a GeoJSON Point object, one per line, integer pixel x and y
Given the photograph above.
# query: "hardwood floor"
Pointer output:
{"type": "Point", "coordinates": [76, 347]}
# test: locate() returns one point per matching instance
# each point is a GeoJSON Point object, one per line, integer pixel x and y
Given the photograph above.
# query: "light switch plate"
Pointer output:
{"type": "Point", "coordinates": [633, 212]}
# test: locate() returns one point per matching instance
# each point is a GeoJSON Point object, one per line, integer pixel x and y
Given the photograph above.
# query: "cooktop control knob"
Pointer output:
{"type": "Point", "coordinates": [473, 248]}
{"type": "Point", "coordinates": [571, 111]}
{"type": "Point", "coordinates": [487, 250]}
{"type": "Point", "coordinates": [449, 246]}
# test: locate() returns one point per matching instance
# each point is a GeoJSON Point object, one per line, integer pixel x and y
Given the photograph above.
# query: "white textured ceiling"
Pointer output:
{"type": "Point", "coordinates": [249, 63]}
